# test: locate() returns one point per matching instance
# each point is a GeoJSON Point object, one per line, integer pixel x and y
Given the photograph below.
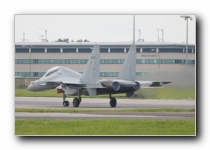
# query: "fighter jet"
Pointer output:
{"type": "Point", "coordinates": [70, 82]}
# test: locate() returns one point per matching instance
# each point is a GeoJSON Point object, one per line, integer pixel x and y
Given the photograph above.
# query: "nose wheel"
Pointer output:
{"type": "Point", "coordinates": [66, 103]}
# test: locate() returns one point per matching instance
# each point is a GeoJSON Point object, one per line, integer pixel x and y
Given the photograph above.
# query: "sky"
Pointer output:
{"type": "Point", "coordinates": [105, 28]}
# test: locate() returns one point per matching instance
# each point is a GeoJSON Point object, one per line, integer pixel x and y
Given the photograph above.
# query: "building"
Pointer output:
{"type": "Point", "coordinates": [34, 59]}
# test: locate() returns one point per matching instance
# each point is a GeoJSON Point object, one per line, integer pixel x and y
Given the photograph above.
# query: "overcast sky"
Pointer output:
{"type": "Point", "coordinates": [103, 28]}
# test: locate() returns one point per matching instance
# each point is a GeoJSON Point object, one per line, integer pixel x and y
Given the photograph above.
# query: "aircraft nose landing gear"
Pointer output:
{"type": "Point", "coordinates": [65, 103]}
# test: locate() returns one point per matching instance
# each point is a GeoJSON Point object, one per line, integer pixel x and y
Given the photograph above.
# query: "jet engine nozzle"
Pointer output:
{"type": "Point", "coordinates": [136, 86]}
{"type": "Point", "coordinates": [116, 86]}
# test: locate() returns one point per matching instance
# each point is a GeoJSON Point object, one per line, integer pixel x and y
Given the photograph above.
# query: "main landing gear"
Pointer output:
{"type": "Point", "coordinates": [76, 101]}
{"type": "Point", "coordinates": [113, 101]}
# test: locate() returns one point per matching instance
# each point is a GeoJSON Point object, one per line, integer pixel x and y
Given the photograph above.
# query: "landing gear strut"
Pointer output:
{"type": "Point", "coordinates": [113, 101]}
{"type": "Point", "coordinates": [65, 103]}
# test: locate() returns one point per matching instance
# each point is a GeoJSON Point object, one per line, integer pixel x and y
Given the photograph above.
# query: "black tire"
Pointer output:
{"type": "Point", "coordinates": [76, 102]}
{"type": "Point", "coordinates": [66, 103]}
{"type": "Point", "coordinates": [113, 102]}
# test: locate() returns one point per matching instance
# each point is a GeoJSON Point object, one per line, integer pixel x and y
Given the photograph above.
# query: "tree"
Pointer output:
{"type": "Point", "coordinates": [62, 40]}
{"type": "Point", "coordinates": [86, 40]}
{"type": "Point", "coordinates": [80, 40]}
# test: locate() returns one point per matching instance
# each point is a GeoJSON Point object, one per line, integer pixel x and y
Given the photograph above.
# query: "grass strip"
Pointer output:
{"type": "Point", "coordinates": [61, 110]}
{"type": "Point", "coordinates": [105, 127]}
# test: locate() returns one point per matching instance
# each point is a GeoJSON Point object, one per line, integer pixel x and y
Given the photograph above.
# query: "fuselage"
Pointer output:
{"type": "Point", "coordinates": [59, 77]}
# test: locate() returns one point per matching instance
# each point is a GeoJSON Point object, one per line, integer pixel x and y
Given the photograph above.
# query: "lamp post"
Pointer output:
{"type": "Point", "coordinates": [186, 18]}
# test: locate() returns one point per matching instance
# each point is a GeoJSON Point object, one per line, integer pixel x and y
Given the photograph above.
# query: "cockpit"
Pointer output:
{"type": "Point", "coordinates": [51, 71]}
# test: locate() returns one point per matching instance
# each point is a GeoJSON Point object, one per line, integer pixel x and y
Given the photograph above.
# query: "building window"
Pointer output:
{"type": "Point", "coordinates": [22, 50]}
{"type": "Point", "coordinates": [35, 74]}
{"type": "Point", "coordinates": [34, 61]}
{"type": "Point", "coordinates": [191, 61]}
{"type": "Point", "coordinates": [149, 50]}
{"type": "Point", "coordinates": [69, 50]}
{"type": "Point", "coordinates": [102, 61]}
{"type": "Point", "coordinates": [37, 50]}
{"type": "Point", "coordinates": [28, 74]}
{"type": "Point", "coordinates": [22, 61]}
{"type": "Point", "coordinates": [141, 73]}
{"type": "Point", "coordinates": [116, 50]}
{"type": "Point", "coordinates": [109, 74]}
{"type": "Point", "coordinates": [112, 61]}
{"type": "Point", "coordinates": [137, 50]}
{"type": "Point", "coordinates": [84, 50]}
{"type": "Point", "coordinates": [103, 50]}
{"type": "Point", "coordinates": [189, 50]}
{"type": "Point", "coordinates": [170, 50]}
{"type": "Point", "coordinates": [53, 50]}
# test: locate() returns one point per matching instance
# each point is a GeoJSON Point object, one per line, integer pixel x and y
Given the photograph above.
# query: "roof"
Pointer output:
{"type": "Point", "coordinates": [102, 44]}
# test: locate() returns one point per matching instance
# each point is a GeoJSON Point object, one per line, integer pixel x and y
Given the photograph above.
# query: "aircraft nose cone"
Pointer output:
{"type": "Point", "coordinates": [30, 87]}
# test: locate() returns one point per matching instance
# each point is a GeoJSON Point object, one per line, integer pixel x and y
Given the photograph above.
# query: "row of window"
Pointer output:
{"type": "Point", "coordinates": [102, 50]}
{"type": "Point", "coordinates": [102, 74]}
{"type": "Point", "coordinates": [102, 61]}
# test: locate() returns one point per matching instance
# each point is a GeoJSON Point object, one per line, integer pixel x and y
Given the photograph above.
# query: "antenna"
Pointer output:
{"type": "Point", "coordinates": [45, 30]}
{"type": "Point", "coordinates": [23, 37]}
{"type": "Point", "coordinates": [140, 39]}
{"type": "Point", "coordinates": [139, 34]}
{"type": "Point", "coordinates": [162, 36]}
{"type": "Point", "coordinates": [133, 29]}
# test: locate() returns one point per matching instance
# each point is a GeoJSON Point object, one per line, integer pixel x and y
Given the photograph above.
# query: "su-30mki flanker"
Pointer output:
{"type": "Point", "coordinates": [70, 82]}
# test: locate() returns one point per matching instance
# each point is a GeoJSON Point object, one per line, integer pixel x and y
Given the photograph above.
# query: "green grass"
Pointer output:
{"type": "Point", "coordinates": [53, 93]}
{"type": "Point", "coordinates": [58, 110]}
{"type": "Point", "coordinates": [104, 127]}
{"type": "Point", "coordinates": [26, 93]}
{"type": "Point", "coordinates": [154, 93]}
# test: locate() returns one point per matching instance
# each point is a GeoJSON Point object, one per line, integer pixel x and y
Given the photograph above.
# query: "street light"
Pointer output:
{"type": "Point", "coordinates": [186, 18]}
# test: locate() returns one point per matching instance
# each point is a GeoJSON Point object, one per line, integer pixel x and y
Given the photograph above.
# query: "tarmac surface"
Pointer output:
{"type": "Point", "coordinates": [103, 104]}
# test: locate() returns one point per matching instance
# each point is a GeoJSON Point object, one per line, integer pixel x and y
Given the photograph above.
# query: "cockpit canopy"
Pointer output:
{"type": "Point", "coordinates": [51, 71]}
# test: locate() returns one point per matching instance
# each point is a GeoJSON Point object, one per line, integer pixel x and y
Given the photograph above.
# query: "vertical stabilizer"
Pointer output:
{"type": "Point", "coordinates": [128, 71]}
{"type": "Point", "coordinates": [92, 70]}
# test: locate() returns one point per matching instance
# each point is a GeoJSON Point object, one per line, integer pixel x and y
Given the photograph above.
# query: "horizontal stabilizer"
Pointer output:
{"type": "Point", "coordinates": [148, 84]}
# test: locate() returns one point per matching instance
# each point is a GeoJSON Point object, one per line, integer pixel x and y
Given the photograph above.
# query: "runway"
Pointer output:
{"type": "Point", "coordinates": [101, 104]}
{"type": "Point", "coordinates": [94, 103]}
